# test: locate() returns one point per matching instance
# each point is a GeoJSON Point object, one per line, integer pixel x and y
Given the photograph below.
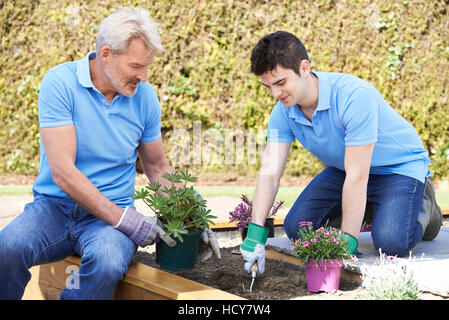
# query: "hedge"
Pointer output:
{"type": "Point", "coordinates": [401, 47]}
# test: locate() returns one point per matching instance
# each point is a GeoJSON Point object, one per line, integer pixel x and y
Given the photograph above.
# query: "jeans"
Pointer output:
{"type": "Point", "coordinates": [396, 202]}
{"type": "Point", "coordinates": [50, 229]}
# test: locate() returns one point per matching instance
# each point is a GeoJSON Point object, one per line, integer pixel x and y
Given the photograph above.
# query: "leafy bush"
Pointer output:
{"type": "Point", "coordinates": [401, 47]}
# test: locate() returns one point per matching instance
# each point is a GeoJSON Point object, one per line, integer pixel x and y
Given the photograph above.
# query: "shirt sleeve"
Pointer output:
{"type": "Point", "coordinates": [278, 126]}
{"type": "Point", "coordinates": [54, 106]}
{"type": "Point", "coordinates": [360, 118]}
{"type": "Point", "coordinates": [152, 131]}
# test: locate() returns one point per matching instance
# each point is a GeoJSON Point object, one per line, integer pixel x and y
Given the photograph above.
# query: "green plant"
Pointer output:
{"type": "Point", "coordinates": [390, 279]}
{"type": "Point", "coordinates": [322, 244]}
{"type": "Point", "coordinates": [179, 208]}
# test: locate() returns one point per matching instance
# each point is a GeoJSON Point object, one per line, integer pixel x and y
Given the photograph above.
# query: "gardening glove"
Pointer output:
{"type": "Point", "coordinates": [142, 230]}
{"type": "Point", "coordinates": [352, 244]}
{"type": "Point", "coordinates": [253, 247]}
{"type": "Point", "coordinates": [208, 247]}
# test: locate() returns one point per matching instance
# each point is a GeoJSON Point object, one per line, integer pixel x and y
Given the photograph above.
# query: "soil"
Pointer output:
{"type": "Point", "coordinates": [278, 282]}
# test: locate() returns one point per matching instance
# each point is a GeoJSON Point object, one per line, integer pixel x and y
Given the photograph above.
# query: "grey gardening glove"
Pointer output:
{"type": "Point", "coordinates": [142, 230]}
{"type": "Point", "coordinates": [208, 246]}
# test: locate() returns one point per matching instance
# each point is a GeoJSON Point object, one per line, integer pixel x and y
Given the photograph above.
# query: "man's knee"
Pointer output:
{"type": "Point", "coordinates": [291, 226]}
{"type": "Point", "coordinates": [390, 244]}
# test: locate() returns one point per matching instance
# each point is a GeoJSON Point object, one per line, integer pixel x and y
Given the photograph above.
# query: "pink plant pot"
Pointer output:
{"type": "Point", "coordinates": [323, 279]}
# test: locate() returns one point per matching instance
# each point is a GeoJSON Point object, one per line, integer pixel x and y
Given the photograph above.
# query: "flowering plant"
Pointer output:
{"type": "Point", "coordinates": [322, 244]}
{"type": "Point", "coordinates": [390, 279]}
{"type": "Point", "coordinates": [241, 215]}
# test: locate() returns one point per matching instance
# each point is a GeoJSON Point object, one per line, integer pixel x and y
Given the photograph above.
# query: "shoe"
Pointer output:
{"type": "Point", "coordinates": [433, 211]}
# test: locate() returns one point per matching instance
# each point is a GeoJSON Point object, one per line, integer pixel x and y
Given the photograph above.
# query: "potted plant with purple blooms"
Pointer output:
{"type": "Point", "coordinates": [242, 213]}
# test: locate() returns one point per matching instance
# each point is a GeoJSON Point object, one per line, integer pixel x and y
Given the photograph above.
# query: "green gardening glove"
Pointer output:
{"type": "Point", "coordinates": [352, 244]}
{"type": "Point", "coordinates": [253, 247]}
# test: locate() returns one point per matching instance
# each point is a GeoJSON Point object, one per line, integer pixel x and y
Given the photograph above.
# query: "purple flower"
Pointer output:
{"type": "Point", "coordinates": [241, 214]}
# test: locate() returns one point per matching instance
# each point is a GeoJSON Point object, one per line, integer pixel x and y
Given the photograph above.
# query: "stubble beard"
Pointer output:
{"type": "Point", "coordinates": [120, 88]}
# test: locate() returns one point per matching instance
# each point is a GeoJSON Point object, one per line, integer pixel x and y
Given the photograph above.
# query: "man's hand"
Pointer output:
{"type": "Point", "coordinates": [142, 230]}
{"type": "Point", "coordinates": [253, 247]}
{"type": "Point", "coordinates": [208, 247]}
{"type": "Point", "coordinates": [352, 243]}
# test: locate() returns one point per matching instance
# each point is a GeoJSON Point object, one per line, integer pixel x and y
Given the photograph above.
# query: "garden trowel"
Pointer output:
{"type": "Point", "coordinates": [254, 269]}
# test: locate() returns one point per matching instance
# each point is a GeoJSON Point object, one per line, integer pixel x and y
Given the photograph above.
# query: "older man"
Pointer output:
{"type": "Point", "coordinates": [95, 114]}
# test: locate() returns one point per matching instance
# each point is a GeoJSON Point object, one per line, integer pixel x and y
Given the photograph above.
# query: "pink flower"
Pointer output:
{"type": "Point", "coordinates": [298, 242]}
{"type": "Point", "coordinates": [305, 244]}
{"type": "Point", "coordinates": [392, 258]}
{"type": "Point", "coordinates": [334, 240]}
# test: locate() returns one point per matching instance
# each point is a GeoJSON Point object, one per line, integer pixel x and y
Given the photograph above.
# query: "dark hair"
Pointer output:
{"type": "Point", "coordinates": [276, 48]}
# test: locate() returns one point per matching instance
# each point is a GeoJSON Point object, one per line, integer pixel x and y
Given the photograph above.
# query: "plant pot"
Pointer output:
{"type": "Point", "coordinates": [269, 223]}
{"type": "Point", "coordinates": [323, 279]}
{"type": "Point", "coordinates": [181, 256]}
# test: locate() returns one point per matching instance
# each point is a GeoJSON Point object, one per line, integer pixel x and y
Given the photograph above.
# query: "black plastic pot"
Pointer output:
{"type": "Point", "coordinates": [181, 256]}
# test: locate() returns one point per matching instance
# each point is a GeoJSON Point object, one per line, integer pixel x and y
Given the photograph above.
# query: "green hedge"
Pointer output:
{"type": "Point", "coordinates": [401, 47]}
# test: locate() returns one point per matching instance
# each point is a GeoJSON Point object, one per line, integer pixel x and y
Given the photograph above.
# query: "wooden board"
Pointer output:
{"type": "Point", "coordinates": [140, 282]}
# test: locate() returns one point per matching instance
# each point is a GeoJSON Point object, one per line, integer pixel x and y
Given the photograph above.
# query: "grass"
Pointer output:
{"type": "Point", "coordinates": [289, 195]}
{"type": "Point", "coordinates": [16, 189]}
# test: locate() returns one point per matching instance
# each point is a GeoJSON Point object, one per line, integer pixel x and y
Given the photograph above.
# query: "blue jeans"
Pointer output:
{"type": "Point", "coordinates": [50, 229]}
{"type": "Point", "coordinates": [396, 202]}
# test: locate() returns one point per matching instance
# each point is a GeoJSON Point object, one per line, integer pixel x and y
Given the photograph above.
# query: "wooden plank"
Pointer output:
{"type": "Point", "coordinates": [172, 286]}
{"type": "Point", "coordinates": [278, 221]}
{"type": "Point", "coordinates": [445, 210]}
{"type": "Point", "coordinates": [48, 280]}
{"type": "Point", "coordinates": [140, 282]}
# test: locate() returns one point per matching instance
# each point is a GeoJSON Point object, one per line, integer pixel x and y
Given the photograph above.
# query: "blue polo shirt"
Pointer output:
{"type": "Point", "coordinates": [351, 112]}
{"type": "Point", "coordinates": [107, 134]}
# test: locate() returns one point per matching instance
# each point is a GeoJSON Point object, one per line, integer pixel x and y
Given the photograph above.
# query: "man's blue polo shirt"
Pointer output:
{"type": "Point", "coordinates": [351, 112]}
{"type": "Point", "coordinates": [107, 135]}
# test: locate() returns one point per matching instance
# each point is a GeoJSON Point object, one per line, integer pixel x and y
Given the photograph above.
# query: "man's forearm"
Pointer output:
{"type": "Point", "coordinates": [76, 185]}
{"type": "Point", "coordinates": [353, 205]}
{"type": "Point", "coordinates": [264, 196]}
{"type": "Point", "coordinates": [154, 174]}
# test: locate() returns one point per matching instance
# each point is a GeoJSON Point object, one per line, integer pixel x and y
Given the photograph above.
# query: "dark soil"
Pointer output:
{"type": "Point", "coordinates": [278, 282]}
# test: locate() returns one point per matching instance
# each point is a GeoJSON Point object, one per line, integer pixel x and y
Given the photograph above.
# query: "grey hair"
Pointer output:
{"type": "Point", "coordinates": [119, 28]}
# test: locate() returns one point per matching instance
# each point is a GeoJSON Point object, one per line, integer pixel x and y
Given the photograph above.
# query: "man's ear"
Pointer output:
{"type": "Point", "coordinates": [304, 68]}
{"type": "Point", "coordinates": [105, 54]}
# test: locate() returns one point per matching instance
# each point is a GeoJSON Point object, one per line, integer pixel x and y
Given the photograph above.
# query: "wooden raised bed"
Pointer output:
{"type": "Point", "coordinates": [141, 282]}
